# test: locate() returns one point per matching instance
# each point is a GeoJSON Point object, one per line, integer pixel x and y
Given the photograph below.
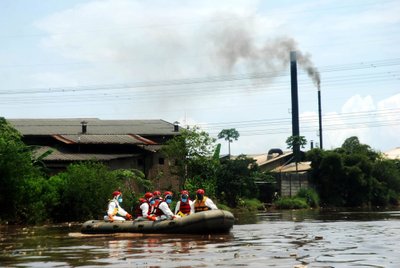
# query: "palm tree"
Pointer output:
{"type": "Point", "coordinates": [229, 135]}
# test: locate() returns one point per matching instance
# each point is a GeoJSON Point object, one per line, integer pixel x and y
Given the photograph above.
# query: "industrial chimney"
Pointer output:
{"type": "Point", "coordinates": [176, 126]}
{"type": "Point", "coordinates": [84, 127]}
{"type": "Point", "coordinates": [295, 104]}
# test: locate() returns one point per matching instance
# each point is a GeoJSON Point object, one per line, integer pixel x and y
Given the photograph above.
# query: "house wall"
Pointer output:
{"type": "Point", "coordinates": [160, 173]}
{"type": "Point", "coordinates": [291, 183]}
{"type": "Point", "coordinates": [123, 163]}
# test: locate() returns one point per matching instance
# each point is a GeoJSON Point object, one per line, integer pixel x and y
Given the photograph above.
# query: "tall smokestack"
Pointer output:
{"type": "Point", "coordinates": [320, 117]}
{"type": "Point", "coordinates": [295, 104]}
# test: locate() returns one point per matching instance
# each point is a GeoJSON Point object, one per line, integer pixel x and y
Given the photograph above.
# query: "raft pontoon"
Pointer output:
{"type": "Point", "coordinates": [206, 222]}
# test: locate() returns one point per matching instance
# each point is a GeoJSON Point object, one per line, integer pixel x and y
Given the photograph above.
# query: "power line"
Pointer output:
{"type": "Point", "coordinates": [224, 79]}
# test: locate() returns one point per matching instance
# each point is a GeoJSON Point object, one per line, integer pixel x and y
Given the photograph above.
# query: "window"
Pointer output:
{"type": "Point", "coordinates": [161, 161]}
{"type": "Point", "coordinates": [140, 162]}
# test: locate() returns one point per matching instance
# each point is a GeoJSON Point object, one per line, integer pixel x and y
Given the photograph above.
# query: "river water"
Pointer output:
{"type": "Point", "coordinates": [311, 238]}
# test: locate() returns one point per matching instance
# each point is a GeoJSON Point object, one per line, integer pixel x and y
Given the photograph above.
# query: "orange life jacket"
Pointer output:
{"type": "Point", "coordinates": [200, 205]}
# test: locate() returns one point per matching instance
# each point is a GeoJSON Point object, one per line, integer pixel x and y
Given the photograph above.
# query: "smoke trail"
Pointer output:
{"type": "Point", "coordinates": [235, 46]}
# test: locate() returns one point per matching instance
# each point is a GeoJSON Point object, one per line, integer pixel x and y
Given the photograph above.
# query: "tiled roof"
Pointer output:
{"type": "Point", "coordinates": [95, 126]}
{"type": "Point", "coordinates": [103, 139]}
{"type": "Point", "coordinates": [57, 155]}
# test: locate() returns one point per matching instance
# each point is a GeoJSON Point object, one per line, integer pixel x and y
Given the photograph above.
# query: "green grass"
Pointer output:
{"type": "Point", "coordinates": [291, 203]}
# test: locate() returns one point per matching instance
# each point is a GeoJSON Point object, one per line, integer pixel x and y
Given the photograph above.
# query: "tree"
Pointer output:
{"type": "Point", "coordinates": [229, 135]}
{"type": "Point", "coordinates": [354, 175]}
{"type": "Point", "coordinates": [236, 179]}
{"type": "Point", "coordinates": [352, 145]}
{"type": "Point", "coordinates": [15, 168]}
{"type": "Point", "coordinates": [84, 192]}
{"type": "Point", "coordinates": [192, 152]}
{"type": "Point", "coordinates": [292, 141]}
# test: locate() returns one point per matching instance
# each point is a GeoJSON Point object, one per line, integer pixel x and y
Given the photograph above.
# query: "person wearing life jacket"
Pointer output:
{"type": "Point", "coordinates": [162, 210]}
{"type": "Point", "coordinates": [145, 208]}
{"type": "Point", "coordinates": [157, 198]}
{"type": "Point", "coordinates": [203, 203]}
{"type": "Point", "coordinates": [138, 210]}
{"type": "Point", "coordinates": [184, 206]}
{"type": "Point", "coordinates": [115, 211]}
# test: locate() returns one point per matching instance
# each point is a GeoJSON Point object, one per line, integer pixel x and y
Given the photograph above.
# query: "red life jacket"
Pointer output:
{"type": "Point", "coordinates": [155, 205]}
{"type": "Point", "coordinates": [157, 211]}
{"type": "Point", "coordinates": [184, 207]}
{"type": "Point", "coordinates": [138, 210]}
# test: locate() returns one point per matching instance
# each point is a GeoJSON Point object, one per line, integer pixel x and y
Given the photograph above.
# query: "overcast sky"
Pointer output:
{"type": "Point", "coordinates": [214, 64]}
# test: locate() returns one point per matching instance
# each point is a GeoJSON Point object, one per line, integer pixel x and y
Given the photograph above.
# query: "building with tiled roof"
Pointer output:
{"type": "Point", "coordinates": [128, 144]}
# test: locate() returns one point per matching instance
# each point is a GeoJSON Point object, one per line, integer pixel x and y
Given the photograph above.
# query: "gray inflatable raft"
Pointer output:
{"type": "Point", "coordinates": [206, 222]}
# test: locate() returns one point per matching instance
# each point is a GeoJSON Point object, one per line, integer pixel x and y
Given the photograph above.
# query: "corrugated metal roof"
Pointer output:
{"type": "Point", "coordinates": [102, 139]}
{"type": "Point", "coordinates": [262, 159]}
{"type": "Point", "coordinates": [94, 126]}
{"type": "Point", "coordinates": [393, 154]}
{"type": "Point", "coordinates": [57, 155]}
{"type": "Point", "coordinates": [301, 166]}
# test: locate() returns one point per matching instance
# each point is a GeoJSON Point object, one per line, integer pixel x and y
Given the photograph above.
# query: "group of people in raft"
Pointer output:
{"type": "Point", "coordinates": [156, 207]}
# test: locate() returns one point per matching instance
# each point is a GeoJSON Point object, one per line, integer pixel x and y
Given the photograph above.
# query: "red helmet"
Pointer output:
{"type": "Point", "coordinates": [148, 195]}
{"type": "Point", "coordinates": [116, 193]}
{"type": "Point", "coordinates": [167, 193]}
{"type": "Point", "coordinates": [184, 192]}
{"type": "Point", "coordinates": [200, 191]}
{"type": "Point", "coordinates": [157, 193]}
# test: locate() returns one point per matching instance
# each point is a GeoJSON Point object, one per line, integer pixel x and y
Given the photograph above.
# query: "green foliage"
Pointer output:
{"type": "Point", "coordinates": [352, 145]}
{"type": "Point", "coordinates": [15, 168]}
{"type": "Point", "coordinates": [217, 152]}
{"type": "Point", "coordinates": [251, 204]}
{"type": "Point", "coordinates": [37, 159]}
{"type": "Point", "coordinates": [198, 182]}
{"type": "Point", "coordinates": [291, 203]}
{"type": "Point", "coordinates": [39, 198]}
{"type": "Point", "coordinates": [354, 175]}
{"type": "Point", "coordinates": [386, 183]}
{"type": "Point", "coordinates": [229, 135]}
{"type": "Point", "coordinates": [134, 184]}
{"type": "Point", "coordinates": [292, 141]}
{"type": "Point", "coordinates": [191, 151]}
{"type": "Point", "coordinates": [236, 179]}
{"type": "Point", "coordinates": [86, 188]}
{"type": "Point", "coordinates": [223, 207]}
{"type": "Point", "coordinates": [310, 195]}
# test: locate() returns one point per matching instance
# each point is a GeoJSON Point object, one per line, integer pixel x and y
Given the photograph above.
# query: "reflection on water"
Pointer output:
{"type": "Point", "coordinates": [309, 238]}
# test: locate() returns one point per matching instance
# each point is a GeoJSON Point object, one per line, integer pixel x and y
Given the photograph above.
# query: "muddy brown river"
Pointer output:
{"type": "Point", "coordinates": [309, 238]}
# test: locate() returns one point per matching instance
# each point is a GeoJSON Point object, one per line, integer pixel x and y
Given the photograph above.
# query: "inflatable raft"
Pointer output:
{"type": "Point", "coordinates": [206, 222]}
